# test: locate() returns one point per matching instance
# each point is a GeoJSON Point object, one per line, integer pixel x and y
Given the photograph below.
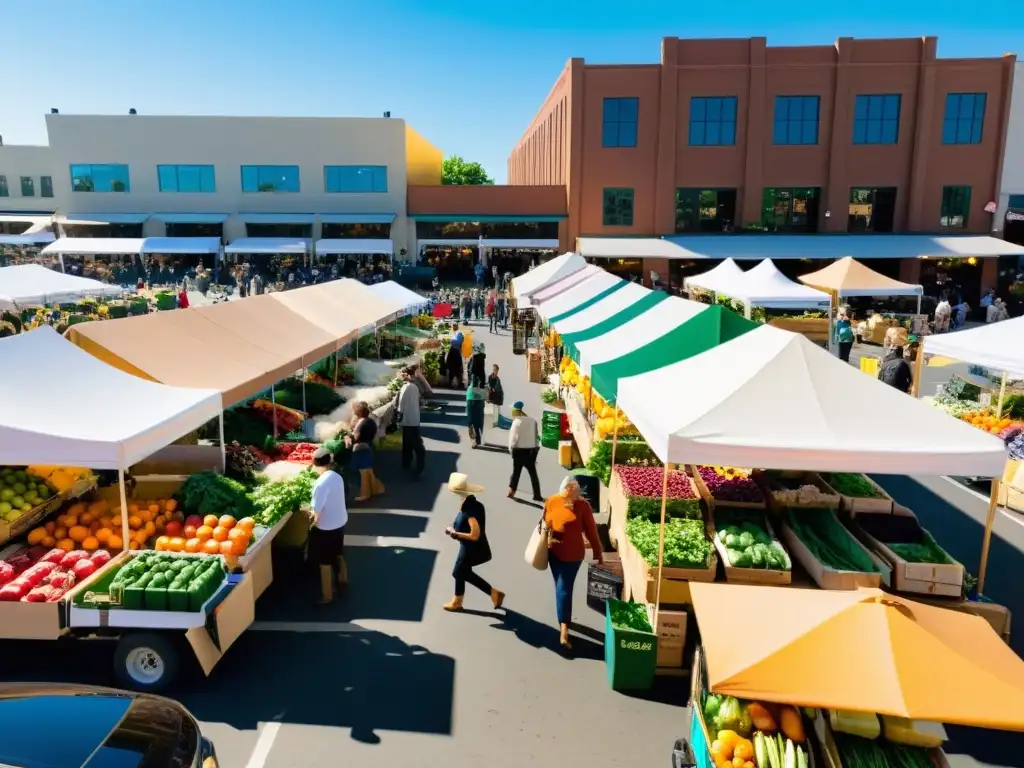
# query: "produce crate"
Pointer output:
{"type": "Point", "coordinates": [34, 517]}
{"type": "Point", "coordinates": [755, 575]}
{"type": "Point", "coordinates": [825, 576]}
{"type": "Point", "coordinates": [671, 631]}
{"type": "Point", "coordinates": [630, 656]}
{"type": "Point", "coordinates": [856, 504]}
{"type": "Point", "coordinates": [925, 578]}
{"type": "Point", "coordinates": [705, 493]}
{"type": "Point", "coordinates": [828, 500]}
{"type": "Point", "coordinates": [830, 753]}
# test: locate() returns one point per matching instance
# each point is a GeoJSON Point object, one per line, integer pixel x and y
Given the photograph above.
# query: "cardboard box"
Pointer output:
{"type": "Point", "coordinates": [229, 620]}
{"type": "Point", "coordinates": [671, 632]}
{"type": "Point", "coordinates": [533, 367]}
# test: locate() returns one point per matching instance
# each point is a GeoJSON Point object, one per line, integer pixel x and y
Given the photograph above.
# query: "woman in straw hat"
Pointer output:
{"type": "Point", "coordinates": [470, 530]}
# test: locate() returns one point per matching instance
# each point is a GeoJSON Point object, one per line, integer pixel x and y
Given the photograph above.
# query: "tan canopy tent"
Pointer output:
{"type": "Point", "coordinates": [848, 277]}
{"type": "Point", "coordinates": [272, 326]}
{"type": "Point", "coordinates": [183, 348]}
{"type": "Point", "coordinates": [364, 306]}
{"type": "Point", "coordinates": [320, 310]}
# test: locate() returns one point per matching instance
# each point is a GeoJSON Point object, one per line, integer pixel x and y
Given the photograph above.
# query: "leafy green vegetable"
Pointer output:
{"type": "Point", "coordinates": [650, 509]}
{"type": "Point", "coordinates": [272, 501]}
{"type": "Point", "coordinates": [631, 616]}
{"type": "Point", "coordinates": [747, 542]}
{"type": "Point", "coordinates": [828, 540]}
{"type": "Point", "coordinates": [853, 484]}
{"type": "Point", "coordinates": [926, 551]}
{"type": "Point", "coordinates": [210, 493]}
{"type": "Point", "coordinates": [320, 398]}
{"type": "Point", "coordinates": [628, 450]}
{"type": "Point", "coordinates": [855, 752]}
{"type": "Point", "coordinates": [686, 545]}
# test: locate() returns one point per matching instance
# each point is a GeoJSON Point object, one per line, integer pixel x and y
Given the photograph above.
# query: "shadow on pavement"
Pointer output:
{"type": "Point", "coordinates": [539, 635]}
{"type": "Point", "coordinates": [390, 524]}
{"type": "Point", "coordinates": [441, 434]}
{"type": "Point", "coordinates": [448, 418]}
{"type": "Point", "coordinates": [405, 494]}
{"type": "Point", "coordinates": [385, 583]}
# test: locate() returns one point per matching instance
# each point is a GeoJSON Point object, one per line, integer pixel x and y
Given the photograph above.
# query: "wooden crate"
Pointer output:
{"type": "Point", "coordinates": [824, 576]}
{"type": "Point", "coordinates": [581, 430]}
{"type": "Point", "coordinates": [754, 575]}
{"type": "Point", "coordinates": [856, 504]}
{"type": "Point", "coordinates": [35, 516]}
{"type": "Point", "coordinates": [711, 501]}
{"type": "Point", "coordinates": [830, 498]}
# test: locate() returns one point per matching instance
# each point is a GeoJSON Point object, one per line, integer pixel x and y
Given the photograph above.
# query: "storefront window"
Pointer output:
{"type": "Point", "coordinates": [705, 210]}
{"type": "Point", "coordinates": [520, 230]}
{"type": "Point", "coordinates": [102, 230]}
{"type": "Point", "coordinates": [871, 209]}
{"type": "Point", "coordinates": [785, 209]}
{"type": "Point", "coordinates": [452, 230]}
{"type": "Point", "coordinates": [956, 205]}
{"type": "Point", "coordinates": [188, 229]}
{"type": "Point", "coordinates": [356, 231]}
{"type": "Point", "coordinates": [618, 207]}
{"type": "Point", "coordinates": [279, 230]}
{"type": "Point", "coordinates": [627, 269]}
{"type": "Point", "coordinates": [451, 262]}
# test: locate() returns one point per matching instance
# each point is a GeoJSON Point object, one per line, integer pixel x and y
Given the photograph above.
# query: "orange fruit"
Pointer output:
{"type": "Point", "coordinates": [161, 543]}
{"type": "Point", "coordinates": [103, 534]}
{"type": "Point", "coordinates": [114, 542]}
{"type": "Point", "coordinates": [87, 518]}
{"type": "Point", "coordinates": [76, 509]}
{"type": "Point", "coordinates": [36, 536]}
{"type": "Point", "coordinates": [139, 536]}
{"type": "Point", "coordinates": [220, 534]}
{"type": "Point", "coordinates": [246, 524]}
{"type": "Point", "coordinates": [227, 521]}
{"type": "Point", "coordinates": [66, 544]}
{"type": "Point", "coordinates": [106, 522]}
{"type": "Point", "coordinates": [211, 520]}
{"type": "Point", "coordinates": [154, 508]}
{"type": "Point", "coordinates": [90, 544]}
{"type": "Point", "coordinates": [116, 521]}
{"type": "Point", "coordinates": [50, 527]}
{"type": "Point", "coordinates": [134, 522]}
{"type": "Point", "coordinates": [61, 532]}
{"type": "Point", "coordinates": [70, 520]}
{"type": "Point", "coordinates": [149, 528]}
{"type": "Point", "coordinates": [134, 546]}
{"type": "Point", "coordinates": [48, 541]}
{"type": "Point", "coordinates": [189, 531]}
{"type": "Point", "coordinates": [193, 545]}
{"type": "Point", "coordinates": [204, 532]}
{"type": "Point", "coordinates": [176, 544]}
{"type": "Point", "coordinates": [133, 509]}
{"type": "Point", "coordinates": [78, 533]}
{"type": "Point", "coordinates": [239, 547]}
{"type": "Point", "coordinates": [145, 515]}
{"type": "Point", "coordinates": [211, 547]}
{"type": "Point", "coordinates": [238, 534]}
{"type": "Point", "coordinates": [227, 548]}
{"type": "Point", "coordinates": [170, 505]}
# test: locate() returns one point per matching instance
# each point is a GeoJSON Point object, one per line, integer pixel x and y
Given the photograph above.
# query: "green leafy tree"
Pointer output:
{"type": "Point", "coordinates": [455, 170]}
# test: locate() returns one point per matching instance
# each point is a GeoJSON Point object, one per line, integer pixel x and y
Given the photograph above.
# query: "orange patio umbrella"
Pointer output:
{"type": "Point", "coordinates": [863, 650]}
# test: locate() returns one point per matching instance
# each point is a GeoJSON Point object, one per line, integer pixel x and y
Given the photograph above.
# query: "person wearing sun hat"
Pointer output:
{"type": "Point", "coordinates": [524, 445]}
{"type": "Point", "coordinates": [470, 530]}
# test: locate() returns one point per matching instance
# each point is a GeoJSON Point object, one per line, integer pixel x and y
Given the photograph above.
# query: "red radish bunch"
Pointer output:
{"type": "Point", "coordinates": [299, 453]}
{"type": "Point", "coordinates": [39, 576]}
{"type": "Point", "coordinates": [646, 482]}
{"type": "Point", "coordinates": [733, 488]}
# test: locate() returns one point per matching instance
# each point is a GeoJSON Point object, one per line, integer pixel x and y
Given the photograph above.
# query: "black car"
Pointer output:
{"type": "Point", "coordinates": [77, 726]}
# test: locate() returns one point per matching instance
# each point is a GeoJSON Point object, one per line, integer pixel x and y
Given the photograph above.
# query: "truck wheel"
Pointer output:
{"type": "Point", "coordinates": [146, 662]}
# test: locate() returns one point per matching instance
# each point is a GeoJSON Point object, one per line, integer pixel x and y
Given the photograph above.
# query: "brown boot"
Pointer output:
{"type": "Point", "coordinates": [455, 604]}
{"type": "Point", "coordinates": [365, 485]}
{"type": "Point", "coordinates": [497, 598]}
{"type": "Point", "coordinates": [376, 486]}
{"type": "Point", "coordinates": [326, 585]}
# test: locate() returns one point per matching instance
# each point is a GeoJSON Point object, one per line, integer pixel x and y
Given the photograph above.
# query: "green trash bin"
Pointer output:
{"type": "Point", "coordinates": [630, 656]}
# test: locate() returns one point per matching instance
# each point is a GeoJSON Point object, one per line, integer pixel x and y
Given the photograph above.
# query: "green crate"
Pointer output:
{"type": "Point", "coordinates": [177, 599]}
{"type": "Point", "coordinates": [630, 656]}
{"type": "Point", "coordinates": [551, 419]}
{"type": "Point", "coordinates": [133, 598]}
{"type": "Point", "coordinates": [156, 597]}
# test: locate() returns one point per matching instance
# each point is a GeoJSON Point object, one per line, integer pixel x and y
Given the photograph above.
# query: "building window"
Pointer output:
{"type": "Point", "coordinates": [705, 210]}
{"type": "Point", "coordinates": [618, 122]}
{"type": "Point", "coordinates": [3, 187]}
{"type": "Point", "coordinates": [186, 178]}
{"type": "Point", "coordinates": [1016, 201]}
{"type": "Point", "coordinates": [712, 121]}
{"type": "Point", "coordinates": [46, 186]}
{"type": "Point", "coordinates": [355, 178]}
{"type": "Point", "coordinates": [28, 186]}
{"type": "Point", "coordinates": [270, 178]}
{"type": "Point", "coordinates": [355, 231]}
{"type": "Point", "coordinates": [956, 204]}
{"type": "Point", "coordinates": [790, 209]}
{"type": "Point", "coordinates": [618, 207]}
{"type": "Point", "coordinates": [876, 119]}
{"type": "Point", "coordinates": [964, 119]}
{"type": "Point", "coordinates": [872, 209]}
{"type": "Point", "coordinates": [796, 119]}
{"type": "Point", "coordinates": [100, 178]}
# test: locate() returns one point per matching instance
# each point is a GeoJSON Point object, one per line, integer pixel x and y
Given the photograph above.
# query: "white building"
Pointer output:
{"type": "Point", "coordinates": [257, 183]}
{"type": "Point", "coordinates": [1009, 217]}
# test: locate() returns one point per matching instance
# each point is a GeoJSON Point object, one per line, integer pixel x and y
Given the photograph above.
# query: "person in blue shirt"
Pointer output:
{"type": "Point", "coordinates": [844, 335]}
{"type": "Point", "coordinates": [478, 270]}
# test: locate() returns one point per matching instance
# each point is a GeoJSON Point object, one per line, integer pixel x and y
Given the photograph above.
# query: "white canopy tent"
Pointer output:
{"type": "Point", "coordinates": [558, 286]}
{"type": "Point", "coordinates": [774, 399]}
{"type": "Point", "coordinates": [32, 285]}
{"type": "Point", "coordinates": [398, 295]}
{"type": "Point", "coordinates": [718, 279]}
{"type": "Point", "coordinates": [638, 332]}
{"type": "Point", "coordinates": [547, 273]}
{"type": "Point", "coordinates": [44, 421]}
{"type": "Point", "coordinates": [602, 310]}
{"type": "Point", "coordinates": [95, 246]}
{"type": "Point", "coordinates": [584, 291]}
{"type": "Point", "coordinates": [172, 245]}
{"type": "Point", "coordinates": [342, 246]}
{"type": "Point", "coordinates": [999, 346]}
{"type": "Point", "coordinates": [28, 240]}
{"type": "Point", "coordinates": [269, 245]}
{"type": "Point", "coordinates": [765, 286]}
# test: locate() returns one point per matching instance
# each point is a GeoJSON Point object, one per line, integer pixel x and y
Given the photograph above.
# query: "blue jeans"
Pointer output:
{"type": "Point", "coordinates": [564, 572]}
{"type": "Point", "coordinates": [475, 417]}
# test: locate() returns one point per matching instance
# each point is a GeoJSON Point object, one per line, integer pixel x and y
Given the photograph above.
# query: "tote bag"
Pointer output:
{"type": "Point", "coordinates": [537, 548]}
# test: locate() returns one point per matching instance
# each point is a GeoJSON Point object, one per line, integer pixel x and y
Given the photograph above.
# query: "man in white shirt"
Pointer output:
{"type": "Point", "coordinates": [328, 516]}
{"type": "Point", "coordinates": [524, 445]}
{"type": "Point", "coordinates": [408, 407]}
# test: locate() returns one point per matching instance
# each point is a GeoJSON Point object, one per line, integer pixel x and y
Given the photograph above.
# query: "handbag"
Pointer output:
{"type": "Point", "coordinates": [537, 547]}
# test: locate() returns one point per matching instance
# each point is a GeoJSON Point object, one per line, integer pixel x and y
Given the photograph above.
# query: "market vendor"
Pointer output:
{"type": "Point", "coordinates": [328, 515]}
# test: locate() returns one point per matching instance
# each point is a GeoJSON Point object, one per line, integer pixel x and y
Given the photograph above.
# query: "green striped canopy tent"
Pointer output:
{"type": "Point", "coordinates": [581, 296]}
{"type": "Point", "coordinates": [647, 300]}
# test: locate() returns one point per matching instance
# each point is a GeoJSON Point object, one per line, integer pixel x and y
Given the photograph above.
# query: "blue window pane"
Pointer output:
{"type": "Point", "coordinates": [610, 134]}
{"type": "Point", "coordinates": [628, 109]}
{"type": "Point", "coordinates": [697, 133]}
{"type": "Point", "coordinates": [714, 134]}
{"type": "Point", "coordinates": [979, 105]}
{"type": "Point", "coordinates": [964, 119]}
{"type": "Point", "coordinates": [779, 133]}
{"type": "Point", "coordinates": [619, 119]}
{"type": "Point", "coordinates": [729, 109]}
{"type": "Point", "coordinates": [167, 178]}
{"type": "Point", "coordinates": [963, 131]}
{"type": "Point", "coordinates": [188, 178]}
{"type": "Point", "coordinates": [794, 133]}
{"type": "Point", "coordinates": [889, 132]}
{"type": "Point", "coordinates": [627, 134]}
{"type": "Point", "coordinates": [796, 109]}
{"type": "Point", "coordinates": [698, 109]}
{"type": "Point", "coordinates": [876, 118]}
{"type": "Point", "coordinates": [859, 131]}
{"type": "Point", "coordinates": [976, 132]}
{"type": "Point", "coordinates": [810, 132]}
{"type": "Point", "coordinates": [781, 108]}
{"type": "Point", "coordinates": [355, 178]}
{"type": "Point", "coordinates": [611, 110]}
{"type": "Point", "coordinates": [208, 179]}
{"type": "Point", "coordinates": [874, 132]}
{"type": "Point", "coordinates": [713, 121]}
{"type": "Point", "coordinates": [891, 109]}
{"type": "Point", "coordinates": [952, 104]}
{"type": "Point", "coordinates": [729, 133]}
{"type": "Point", "coordinates": [949, 131]}
{"type": "Point", "coordinates": [714, 109]}
{"type": "Point", "coordinates": [250, 178]}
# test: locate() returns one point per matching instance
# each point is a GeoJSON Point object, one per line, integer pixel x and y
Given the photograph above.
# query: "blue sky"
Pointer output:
{"type": "Point", "coordinates": [467, 75]}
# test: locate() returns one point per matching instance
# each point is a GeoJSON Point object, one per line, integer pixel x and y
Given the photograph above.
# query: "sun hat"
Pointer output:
{"type": "Point", "coordinates": [459, 483]}
{"type": "Point", "coordinates": [517, 405]}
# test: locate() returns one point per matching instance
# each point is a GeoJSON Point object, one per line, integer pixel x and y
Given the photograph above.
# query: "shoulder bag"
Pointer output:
{"type": "Point", "coordinates": [537, 547]}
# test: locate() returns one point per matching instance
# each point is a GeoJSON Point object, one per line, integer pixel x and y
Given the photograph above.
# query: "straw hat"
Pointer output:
{"type": "Point", "coordinates": [459, 483]}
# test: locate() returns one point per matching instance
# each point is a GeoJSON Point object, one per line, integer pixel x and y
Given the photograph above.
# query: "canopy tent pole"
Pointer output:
{"type": "Point", "coordinates": [273, 402]}
{"type": "Point", "coordinates": [831, 308]}
{"type": "Point", "coordinates": [915, 385]}
{"type": "Point", "coordinates": [304, 373]}
{"type": "Point", "coordinates": [615, 441]}
{"type": "Point", "coordinates": [337, 357]}
{"type": "Point", "coordinates": [919, 303]}
{"type": "Point", "coordinates": [661, 545]}
{"type": "Point", "coordinates": [122, 491]}
{"type": "Point", "coordinates": [990, 520]}
{"type": "Point", "coordinates": [1002, 394]}
{"type": "Point", "coordinates": [223, 447]}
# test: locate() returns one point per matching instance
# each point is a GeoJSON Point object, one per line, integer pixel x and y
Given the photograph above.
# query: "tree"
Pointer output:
{"type": "Point", "coordinates": [455, 170]}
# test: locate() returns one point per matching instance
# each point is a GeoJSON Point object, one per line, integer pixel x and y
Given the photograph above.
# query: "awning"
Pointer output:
{"type": "Point", "coordinates": [847, 277]}
{"type": "Point", "coordinates": [34, 220]}
{"type": "Point", "coordinates": [700, 333]}
{"type": "Point", "coordinates": [547, 273]}
{"type": "Point", "coordinates": [485, 218]}
{"type": "Point", "coordinates": [776, 400]}
{"type": "Point", "coordinates": [44, 421]}
{"type": "Point", "coordinates": [581, 296]}
{"type": "Point", "coordinates": [551, 290]}
{"type": "Point", "coordinates": [628, 248]}
{"type": "Point", "coordinates": [183, 348]}
{"type": "Point", "coordinates": [36, 238]}
{"type": "Point", "coordinates": [539, 244]}
{"type": "Point", "coordinates": [646, 301]}
{"type": "Point", "coordinates": [827, 246]}
{"type": "Point", "coordinates": [271, 326]}
{"type": "Point", "coordinates": [95, 246]}
{"type": "Point", "coordinates": [337, 246]}
{"type": "Point", "coordinates": [192, 218]}
{"type": "Point", "coordinates": [598, 313]}
{"type": "Point", "coordinates": [277, 218]}
{"type": "Point", "coordinates": [998, 346]}
{"type": "Point", "coordinates": [637, 333]}
{"type": "Point", "coordinates": [181, 245]}
{"type": "Point", "coordinates": [357, 218]}
{"type": "Point", "coordinates": [269, 245]}
{"type": "Point", "coordinates": [398, 295]}
{"type": "Point", "coordinates": [26, 285]}
{"type": "Point", "coordinates": [103, 218]}
{"type": "Point", "coordinates": [718, 278]}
